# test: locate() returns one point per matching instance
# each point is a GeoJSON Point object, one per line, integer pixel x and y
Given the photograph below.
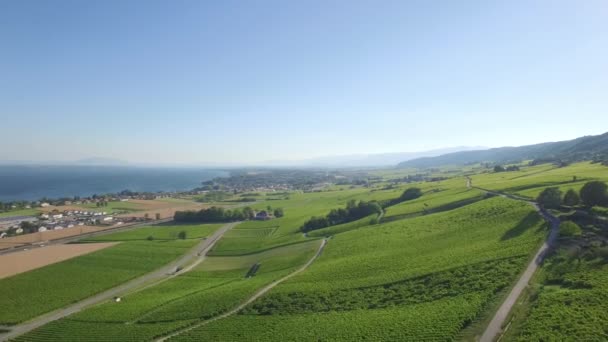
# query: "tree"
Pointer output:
{"type": "Point", "coordinates": [410, 194]}
{"type": "Point", "coordinates": [571, 198]}
{"type": "Point", "coordinates": [594, 193]}
{"type": "Point", "coordinates": [182, 235]}
{"type": "Point", "coordinates": [248, 212]}
{"type": "Point", "coordinates": [569, 228]}
{"type": "Point", "coordinates": [550, 198]}
{"type": "Point", "coordinates": [278, 212]}
{"type": "Point", "coordinates": [499, 168]}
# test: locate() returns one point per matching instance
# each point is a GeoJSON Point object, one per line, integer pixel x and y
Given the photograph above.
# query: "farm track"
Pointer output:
{"type": "Point", "coordinates": [257, 295]}
{"type": "Point", "coordinates": [197, 253]}
{"type": "Point", "coordinates": [494, 328]}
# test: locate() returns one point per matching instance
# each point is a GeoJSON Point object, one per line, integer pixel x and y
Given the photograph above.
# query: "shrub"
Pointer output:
{"type": "Point", "coordinates": [594, 193]}
{"type": "Point", "coordinates": [571, 198]}
{"type": "Point", "coordinates": [550, 198]}
{"type": "Point", "coordinates": [182, 235]}
{"type": "Point", "coordinates": [569, 228]}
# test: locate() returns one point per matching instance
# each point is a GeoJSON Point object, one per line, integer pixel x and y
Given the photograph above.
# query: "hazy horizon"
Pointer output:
{"type": "Point", "coordinates": [199, 83]}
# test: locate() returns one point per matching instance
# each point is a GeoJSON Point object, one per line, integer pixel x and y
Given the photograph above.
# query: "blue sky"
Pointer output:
{"type": "Point", "coordinates": [192, 82]}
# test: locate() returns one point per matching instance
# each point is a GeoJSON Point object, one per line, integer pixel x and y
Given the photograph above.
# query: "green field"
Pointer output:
{"type": "Point", "coordinates": [411, 275]}
{"type": "Point", "coordinates": [114, 206]}
{"type": "Point", "coordinates": [20, 212]}
{"type": "Point", "coordinates": [434, 268]}
{"type": "Point", "coordinates": [160, 232]}
{"type": "Point", "coordinates": [215, 286]}
{"type": "Point", "coordinates": [30, 294]}
{"type": "Point", "coordinates": [530, 181]}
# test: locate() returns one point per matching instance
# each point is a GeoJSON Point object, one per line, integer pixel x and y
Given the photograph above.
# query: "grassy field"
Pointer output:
{"type": "Point", "coordinates": [30, 294]}
{"type": "Point", "coordinates": [298, 209]}
{"type": "Point", "coordinates": [215, 286]}
{"type": "Point", "coordinates": [421, 278]}
{"type": "Point", "coordinates": [20, 212]}
{"type": "Point", "coordinates": [432, 269]}
{"type": "Point", "coordinates": [160, 232]}
{"type": "Point", "coordinates": [530, 181]}
{"type": "Point", "coordinates": [114, 206]}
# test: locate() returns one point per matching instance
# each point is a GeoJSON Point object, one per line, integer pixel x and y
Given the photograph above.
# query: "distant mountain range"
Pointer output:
{"type": "Point", "coordinates": [584, 148]}
{"type": "Point", "coordinates": [366, 160]}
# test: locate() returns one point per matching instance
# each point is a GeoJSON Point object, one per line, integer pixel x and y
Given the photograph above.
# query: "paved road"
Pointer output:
{"type": "Point", "coordinates": [195, 254]}
{"type": "Point", "coordinates": [250, 300]}
{"type": "Point", "coordinates": [495, 326]}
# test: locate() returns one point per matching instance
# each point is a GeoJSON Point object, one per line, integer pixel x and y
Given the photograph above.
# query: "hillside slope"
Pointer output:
{"type": "Point", "coordinates": [584, 148]}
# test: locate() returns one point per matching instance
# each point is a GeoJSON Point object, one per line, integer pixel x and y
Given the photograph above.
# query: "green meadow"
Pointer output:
{"type": "Point", "coordinates": [431, 268]}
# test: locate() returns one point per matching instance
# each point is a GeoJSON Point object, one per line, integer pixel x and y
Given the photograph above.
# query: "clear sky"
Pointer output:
{"type": "Point", "coordinates": [248, 81]}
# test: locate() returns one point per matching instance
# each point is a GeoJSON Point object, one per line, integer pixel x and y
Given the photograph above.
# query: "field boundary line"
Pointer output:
{"type": "Point", "coordinates": [257, 295]}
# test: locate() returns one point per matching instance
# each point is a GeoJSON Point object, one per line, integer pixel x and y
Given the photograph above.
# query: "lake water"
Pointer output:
{"type": "Point", "coordinates": [35, 182]}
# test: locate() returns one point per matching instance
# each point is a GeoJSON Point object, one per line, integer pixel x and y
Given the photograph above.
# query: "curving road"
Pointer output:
{"type": "Point", "coordinates": [194, 256]}
{"type": "Point", "coordinates": [257, 295]}
{"type": "Point", "coordinates": [495, 326]}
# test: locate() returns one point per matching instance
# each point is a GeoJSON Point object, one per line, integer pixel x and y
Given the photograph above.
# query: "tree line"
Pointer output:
{"type": "Point", "coordinates": [591, 194]}
{"type": "Point", "coordinates": [356, 210]}
{"type": "Point", "coordinates": [219, 214]}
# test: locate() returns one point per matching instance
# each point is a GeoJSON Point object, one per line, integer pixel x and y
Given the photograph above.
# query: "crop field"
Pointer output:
{"type": "Point", "coordinates": [298, 209]}
{"type": "Point", "coordinates": [341, 228]}
{"type": "Point", "coordinates": [262, 232]}
{"type": "Point", "coordinates": [530, 181]}
{"type": "Point", "coordinates": [160, 232]}
{"type": "Point", "coordinates": [420, 278]}
{"type": "Point", "coordinates": [577, 310]}
{"type": "Point", "coordinates": [433, 201]}
{"type": "Point", "coordinates": [214, 287]}
{"type": "Point", "coordinates": [33, 293]}
{"type": "Point", "coordinates": [115, 206]}
{"type": "Point", "coordinates": [20, 212]}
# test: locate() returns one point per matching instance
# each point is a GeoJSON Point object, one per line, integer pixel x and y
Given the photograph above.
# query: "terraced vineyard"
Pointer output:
{"type": "Point", "coordinates": [574, 310]}
{"type": "Point", "coordinates": [30, 294]}
{"type": "Point", "coordinates": [530, 181]}
{"type": "Point", "coordinates": [214, 287]}
{"type": "Point", "coordinates": [421, 278]}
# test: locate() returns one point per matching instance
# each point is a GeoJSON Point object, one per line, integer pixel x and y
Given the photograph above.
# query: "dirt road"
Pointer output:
{"type": "Point", "coordinates": [250, 300]}
{"type": "Point", "coordinates": [165, 272]}
{"type": "Point", "coordinates": [495, 326]}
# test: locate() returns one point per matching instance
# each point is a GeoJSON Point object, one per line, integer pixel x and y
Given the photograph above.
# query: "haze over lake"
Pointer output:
{"type": "Point", "coordinates": [35, 182]}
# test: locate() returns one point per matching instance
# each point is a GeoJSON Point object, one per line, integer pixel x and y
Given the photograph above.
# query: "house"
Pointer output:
{"type": "Point", "coordinates": [57, 216]}
{"type": "Point", "coordinates": [19, 231]}
{"type": "Point", "coordinates": [107, 218]}
{"type": "Point", "coordinates": [44, 204]}
{"type": "Point", "coordinates": [44, 216]}
{"type": "Point", "coordinates": [42, 229]}
{"type": "Point", "coordinates": [58, 227]}
{"type": "Point", "coordinates": [263, 215]}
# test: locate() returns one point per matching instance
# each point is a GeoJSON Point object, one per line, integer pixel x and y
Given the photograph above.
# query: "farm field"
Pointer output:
{"type": "Point", "coordinates": [572, 310]}
{"type": "Point", "coordinates": [27, 294]}
{"type": "Point", "coordinates": [23, 261]}
{"type": "Point", "coordinates": [298, 209]}
{"type": "Point", "coordinates": [433, 268]}
{"type": "Point", "coordinates": [407, 279]}
{"type": "Point", "coordinates": [530, 181]}
{"type": "Point", "coordinates": [215, 286]}
{"type": "Point", "coordinates": [20, 212]}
